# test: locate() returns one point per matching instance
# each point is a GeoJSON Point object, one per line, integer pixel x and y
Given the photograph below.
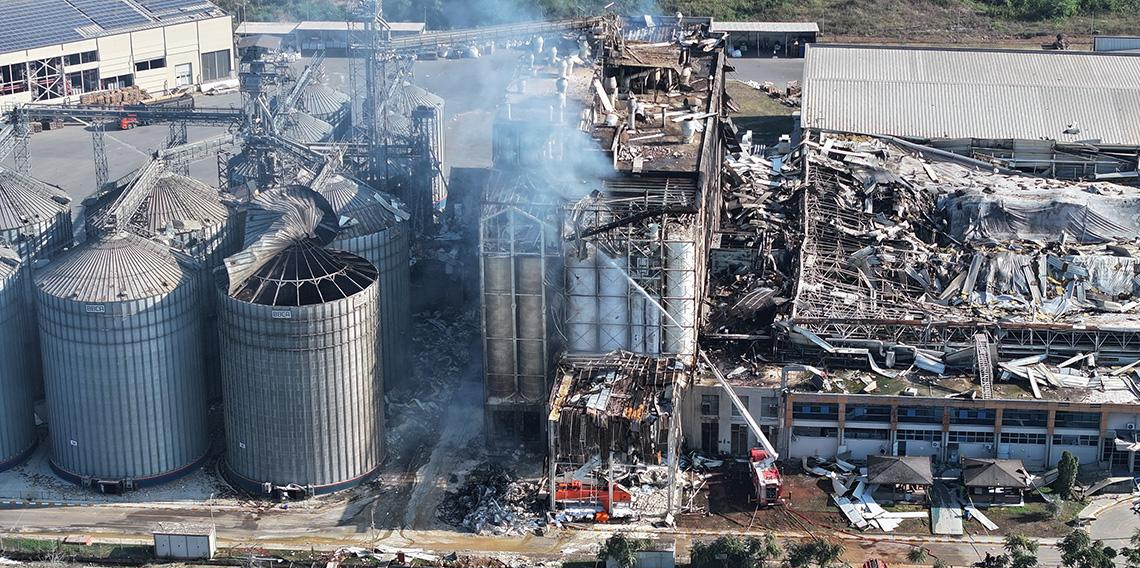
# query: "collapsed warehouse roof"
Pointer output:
{"type": "Point", "coordinates": [915, 263]}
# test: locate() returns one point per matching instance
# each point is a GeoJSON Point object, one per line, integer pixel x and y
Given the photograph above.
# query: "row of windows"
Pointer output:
{"type": "Point", "coordinates": [966, 437]}
{"type": "Point", "coordinates": [919, 435]}
{"type": "Point", "coordinates": [865, 434]}
{"type": "Point", "coordinates": [1023, 438]}
{"type": "Point", "coordinates": [81, 58]}
{"type": "Point", "coordinates": [1072, 440]}
{"type": "Point", "coordinates": [710, 405]}
{"type": "Point", "coordinates": [868, 413]}
{"type": "Point", "coordinates": [815, 411]}
{"type": "Point", "coordinates": [1025, 418]}
{"type": "Point", "coordinates": [814, 432]}
{"type": "Point", "coordinates": [150, 64]}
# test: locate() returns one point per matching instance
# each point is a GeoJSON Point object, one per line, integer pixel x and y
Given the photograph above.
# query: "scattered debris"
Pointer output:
{"type": "Point", "coordinates": [492, 501]}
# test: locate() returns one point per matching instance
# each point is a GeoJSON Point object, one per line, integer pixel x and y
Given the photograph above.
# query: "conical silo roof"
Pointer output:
{"type": "Point", "coordinates": [303, 128]}
{"type": "Point", "coordinates": [174, 202]}
{"type": "Point", "coordinates": [361, 209]}
{"type": "Point", "coordinates": [398, 124]}
{"type": "Point", "coordinates": [321, 100]}
{"type": "Point", "coordinates": [117, 267]}
{"type": "Point", "coordinates": [25, 200]}
{"type": "Point", "coordinates": [418, 96]}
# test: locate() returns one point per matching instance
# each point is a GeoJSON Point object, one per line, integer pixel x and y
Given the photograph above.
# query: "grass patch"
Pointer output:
{"type": "Point", "coordinates": [765, 116]}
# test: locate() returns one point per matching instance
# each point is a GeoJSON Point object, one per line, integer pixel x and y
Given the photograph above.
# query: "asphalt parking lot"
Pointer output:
{"type": "Point", "coordinates": [778, 71]}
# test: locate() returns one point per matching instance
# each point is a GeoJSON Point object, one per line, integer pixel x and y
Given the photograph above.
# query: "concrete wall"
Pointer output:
{"type": "Point", "coordinates": [180, 44]}
{"type": "Point", "coordinates": [692, 417]}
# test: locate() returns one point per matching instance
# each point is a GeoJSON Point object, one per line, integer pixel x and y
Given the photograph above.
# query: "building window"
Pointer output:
{"type": "Point", "coordinates": [120, 82]}
{"type": "Point", "coordinates": [814, 432]}
{"type": "Point", "coordinates": [921, 414]}
{"type": "Point", "coordinates": [710, 405]}
{"type": "Point", "coordinates": [918, 435]}
{"type": "Point", "coordinates": [150, 64]}
{"type": "Point", "coordinates": [1025, 418]}
{"type": "Point", "coordinates": [811, 411]}
{"type": "Point", "coordinates": [1074, 440]}
{"type": "Point", "coordinates": [858, 413]}
{"type": "Point", "coordinates": [735, 410]}
{"type": "Point", "coordinates": [1090, 420]}
{"type": "Point", "coordinates": [216, 65]}
{"type": "Point", "coordinates": [81, 58]}
{"type": "Point", "coordinates": [738, 436]}
{"type": "Point", "coordinates": [770, 406]}
{"type": "Point", "coordinates": [865, 434]}
{"type": "Point", "coordinates": [980, 416]}
{"type": "Point", "coordinates": [1021, 438]}
{"type": "Point", "coordinates": [13, 78]}
{"type": "Point", "coordinates": [82, 82]}
{"type": "Point", "coordinates": [966, 437]}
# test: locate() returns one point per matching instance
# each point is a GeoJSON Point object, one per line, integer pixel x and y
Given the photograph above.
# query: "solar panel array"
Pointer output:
{"type": "Point", "coordinates": [110, 14]}
{"type": "Point", "coordinates": [28, 24]}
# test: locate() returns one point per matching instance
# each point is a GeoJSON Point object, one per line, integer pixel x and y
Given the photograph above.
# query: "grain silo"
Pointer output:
{"type": "Point", "coordinates": [303, 128]}
{"type": "Point", "coordinates": [122, 357]}
{"type": "Point", "coordinates": [190, 216]}
{"type": "Point", "coordinates": [374, 225]}
{"type": "Point", "coordinates": [17, 434]}
{"type": "Point", "coordinates": [35, 218]}
{"type": "Point", "coordinates": [323, 102]}
{"type": "Point", "coordinates": [304, 404]}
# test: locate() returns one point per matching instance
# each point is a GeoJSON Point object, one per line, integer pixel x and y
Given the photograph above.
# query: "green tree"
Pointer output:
{"type": "Point", "coordinates": [1020, 552]}
{"type": "Point", "coordinates": [1079, 550]}
{"type": "Point", "coordinates": [940, 564]}
{"type": "Point", "coordinates": [623, 549]}
{"type": "Point", "coordinates": [818, 552]}
{"type": "Point", "coordinates": [734, 551]}
{"type": "Point", "coordinates": [1067, 475]}
{"type": "Point", "coordinates": [916, 555]}
{"type": "Point", "coordinates": [1131, 554]}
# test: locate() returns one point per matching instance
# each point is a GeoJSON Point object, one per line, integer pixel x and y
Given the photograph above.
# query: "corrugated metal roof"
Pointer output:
{"type": "Point", "coordinates": [321, 100]}
{"type": "Point", "coordinates": [25, 200]}
{"type": "Point", "coordinates": [174, 199]}
{"type": "Point", "coordinates": [267, 28]}
{"type": "Point", "coordinates": [303, 128]}
{"type": "Point", "coordinates": [117, 267]}
{"type": "Point", "coordinates": [766, 27]}
{"type": "Point", "coordinates": [362, 210]}
{"type": "Point", "coordinates": [959, 93]}
{"type": "Point", "coordinates": [418, 96]}
{"type": "Point", "coordinates": [9, 262]}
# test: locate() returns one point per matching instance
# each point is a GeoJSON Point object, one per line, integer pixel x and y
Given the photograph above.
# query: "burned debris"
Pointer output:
{"type": "Point", "coordinates": [494, 501]}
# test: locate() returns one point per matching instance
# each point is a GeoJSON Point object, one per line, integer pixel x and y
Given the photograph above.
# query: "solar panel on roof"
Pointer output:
{"type": "Point", "coordinates": [161, 7]}
{"type": "Point", "coordinates": [110, 14]}
{"type": "Point", "coordinates": [29, 24]}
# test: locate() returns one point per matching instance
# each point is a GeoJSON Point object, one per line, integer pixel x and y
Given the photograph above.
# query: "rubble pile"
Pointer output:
{"type": "Point", "coordinates": [492, 501]}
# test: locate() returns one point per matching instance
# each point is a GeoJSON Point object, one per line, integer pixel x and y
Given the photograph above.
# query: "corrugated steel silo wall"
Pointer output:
{"type": "Point", "coordinates": [43, 239]}
{"type": "Point", "coordinates": [17, 434]}
{"type": "Point", "coordinates": [124, 384]}
{"type": "Point", "coordinates": [224, 241]}
{"type": "Point", "coordinates": [388, 250]}
{"type": "Point", "coordinates": [303, 400]}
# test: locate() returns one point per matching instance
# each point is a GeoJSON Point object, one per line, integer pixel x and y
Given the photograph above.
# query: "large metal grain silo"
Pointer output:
{"type": "Point", "coordinates": [303, 128]}
{"type": "Point", "coordinates": [17, 436]}
{"type": "Point", "coordinates": [304, 404]}
{"type": "Point", "coordinates": [191, 217]}
{"type": "Point", "coordinates": [374, 225]}
{"type": "Point", "coordinates": [121, 343]}
{"type": "Point", "coordinates": [35, 218]}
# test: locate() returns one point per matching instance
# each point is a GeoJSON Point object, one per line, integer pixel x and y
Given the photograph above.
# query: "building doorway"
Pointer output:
{"type": "Point", "coordinates": [710, 438]}
{"type": "Point", "coordinates": [183, 75]}
{"type": "Point", "coordinates": [739, 440]}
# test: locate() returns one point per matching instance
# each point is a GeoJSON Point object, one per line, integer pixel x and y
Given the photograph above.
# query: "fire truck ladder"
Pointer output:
{"type": "Point", "coordinates": [984, 364]}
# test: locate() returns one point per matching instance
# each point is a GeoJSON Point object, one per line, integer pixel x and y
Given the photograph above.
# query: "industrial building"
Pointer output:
{"type": "Point", "coordinates": [1057, 113]}
{"type": "Point", "coordinates": [329, 37]}
{"type": "Point", "coordinates": [56, 50]}
{"type": "Point", "coordinates": [767, 39]}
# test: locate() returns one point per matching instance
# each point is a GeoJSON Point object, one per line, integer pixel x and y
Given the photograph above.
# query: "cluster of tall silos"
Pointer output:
{"type": "Point", "coordinates": [302, 324]}
{"type": "Point", "coordinates": [17, 436]}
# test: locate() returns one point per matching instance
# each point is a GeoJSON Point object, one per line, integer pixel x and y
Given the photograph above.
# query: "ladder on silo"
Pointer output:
{"type": "Point", "coordinates": [984, 364]}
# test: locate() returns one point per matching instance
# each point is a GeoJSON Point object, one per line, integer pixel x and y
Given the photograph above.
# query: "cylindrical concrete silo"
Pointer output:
{"type": "Point", "coordinates": [17, 434]}
{"type": "Point", "coordinates": [120, 329]}
{"type": "Point", "coordinates": [374, 225]}
{"type": "Point", "coordinates": [304, 407]}
{"type": "Point", "coordinates": [35, 218]}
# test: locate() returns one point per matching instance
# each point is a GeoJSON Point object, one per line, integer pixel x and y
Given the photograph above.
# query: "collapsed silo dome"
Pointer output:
{"type": "Point", "coordinates": [304, 406]}
{"type": "Point", "coordinates": [121, 340]}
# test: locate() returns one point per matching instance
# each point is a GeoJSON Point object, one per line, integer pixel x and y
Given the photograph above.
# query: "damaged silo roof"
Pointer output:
{"type": "Point", "coordinates": [361, 209]}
